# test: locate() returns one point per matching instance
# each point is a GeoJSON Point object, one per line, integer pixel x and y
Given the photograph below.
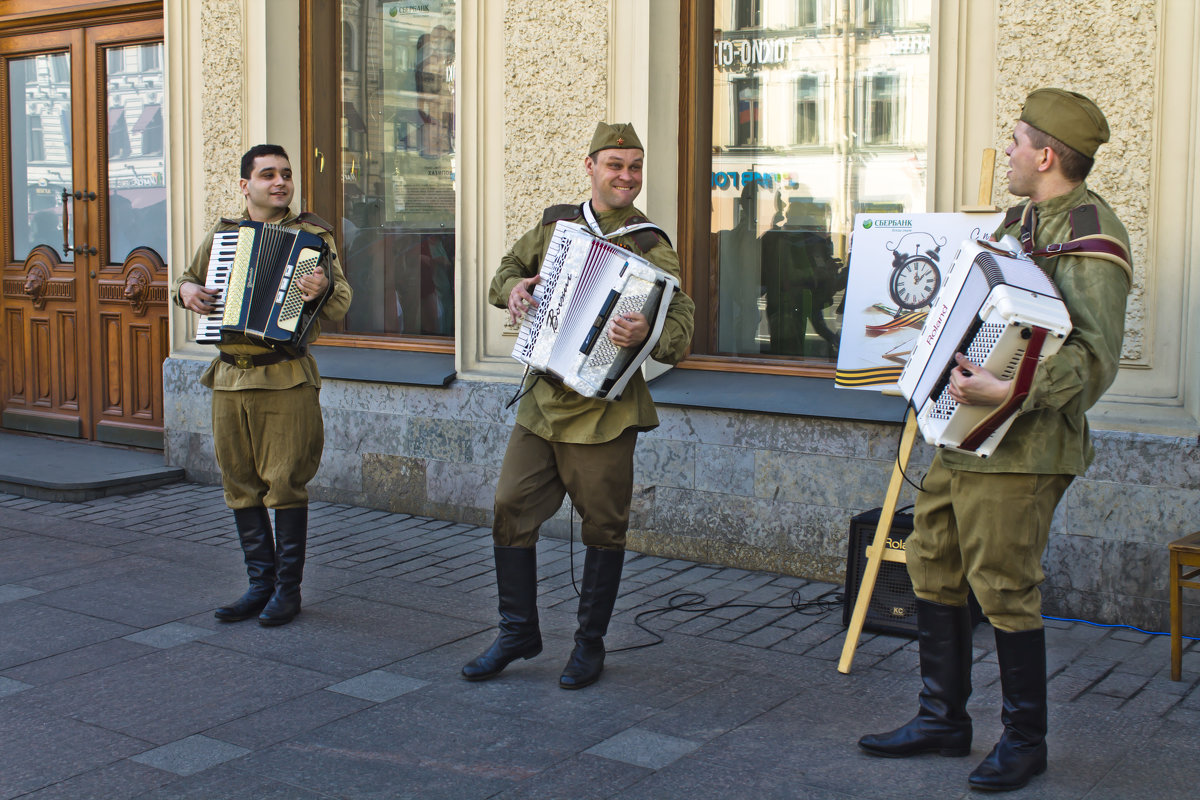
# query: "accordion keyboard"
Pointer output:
{"type": "Point", "coordinates": [220, 264]}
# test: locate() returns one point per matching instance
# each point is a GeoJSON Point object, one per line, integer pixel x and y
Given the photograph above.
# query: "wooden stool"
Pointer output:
{"type": "Point", "coordinates": [1185, 566]}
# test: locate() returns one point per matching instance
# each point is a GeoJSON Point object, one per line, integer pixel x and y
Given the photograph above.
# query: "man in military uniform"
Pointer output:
{"type": "Point", "coordinates": [565, 443]}
{"type": "Point", "coordinates": [983, 524]}
{"type": "Point", "coordinates": [266, 411]}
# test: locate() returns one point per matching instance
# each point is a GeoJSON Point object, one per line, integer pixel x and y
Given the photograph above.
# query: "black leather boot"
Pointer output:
{"type": "Point", "coordinates": [1021, 752]}
{"type": "Point", "coordinates": [597, 596]}
{"type": "Point", "coordinates": [520, 636]}
{"type": "Point", "coordinates": [258, 549]}
{"type": "Point", "coordinates": [291, 539]}
{"type": "Point", "coordinates": [942, 724]}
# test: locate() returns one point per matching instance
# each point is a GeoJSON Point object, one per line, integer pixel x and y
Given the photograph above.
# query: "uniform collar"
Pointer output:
{"type": "Point", "coordinates": [289, 216]}
{"type": "Point", "coordinates": [1063, 202]}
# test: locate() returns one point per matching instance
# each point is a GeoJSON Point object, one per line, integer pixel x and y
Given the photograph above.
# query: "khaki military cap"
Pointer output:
{"type": "Point", "coordinates": [618, 135]}
{"type": "Point", "coordinates": [1069, 117]}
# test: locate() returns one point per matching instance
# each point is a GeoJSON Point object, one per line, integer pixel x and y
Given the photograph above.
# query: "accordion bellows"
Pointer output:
{"type": "Point", "coordinates": [1003, 313]}
{"type": "Point", "coordinates": [256, 270]}
{"type": "Point", "coordinates": [586, 281]}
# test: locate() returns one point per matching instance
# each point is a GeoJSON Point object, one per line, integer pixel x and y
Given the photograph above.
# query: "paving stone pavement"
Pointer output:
{"type": "Point", "coordinates": [116, 681]}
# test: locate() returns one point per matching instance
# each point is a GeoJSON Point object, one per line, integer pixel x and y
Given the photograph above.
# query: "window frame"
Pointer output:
{"type": "Point", "coordinates": [320, 164]}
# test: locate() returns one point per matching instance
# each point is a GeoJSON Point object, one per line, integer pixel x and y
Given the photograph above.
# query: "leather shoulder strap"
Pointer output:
{"type": "Point", "coordinates": [1099, 246]}
{"type": "Point", "coordinates": [564, 211]}
{"type": "Point", "coordinates": [648, 237]}
{"type": "Point", "coordinates": [310, 218]}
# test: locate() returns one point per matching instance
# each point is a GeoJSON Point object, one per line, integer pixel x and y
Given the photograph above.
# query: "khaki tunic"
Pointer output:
{"type": "Point", "coordinates": [303, 370]}
{"type": "Point", "coordinates": [559, 414]}
{"type": "Point", "coordinates": [267, 427]}
{"type": "Point", "coordinates": [1050, 434]}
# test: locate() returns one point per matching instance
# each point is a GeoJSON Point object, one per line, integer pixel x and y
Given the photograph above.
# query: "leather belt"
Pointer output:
{"type": "Point", "coordinates": [261, 360]}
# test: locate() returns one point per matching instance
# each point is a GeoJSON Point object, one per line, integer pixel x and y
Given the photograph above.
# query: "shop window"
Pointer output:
{"type": "Point", "coordinates": [795, 151]}
{"type": "Point", "coordinates": [875, 15]}
{"type": "Point", "coordinates": [35, 142]}
{"type": "Point", "coordinates": [747, 13]}
{"type": "Point", "coordinates": [879, 109]}
{"type": "Point", "coordinates": [385, 165]}
{"type": "Point", "coordinates": [808, 111]}
{"type": "Point", "coordinates": [747, 94]}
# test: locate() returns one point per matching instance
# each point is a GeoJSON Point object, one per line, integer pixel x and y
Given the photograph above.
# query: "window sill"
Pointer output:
{"type": "Point", "coordinates": [774, 394]}
{"type": "Point", "coordinates": [385, 366]}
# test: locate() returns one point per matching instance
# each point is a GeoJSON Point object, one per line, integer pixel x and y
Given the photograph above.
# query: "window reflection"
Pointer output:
{"type": "Point", "coordinates": [398, 165]}
{"type": "Point", "coordinates": [40, 126]}
{"type": "Point", "coordinates": [137, 188]}
{"type": "Point", "coordinates": [819, 111]}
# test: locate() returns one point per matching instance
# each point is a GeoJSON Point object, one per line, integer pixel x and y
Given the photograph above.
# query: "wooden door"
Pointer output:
{"type": "Point", "coordinates": [84, 302]}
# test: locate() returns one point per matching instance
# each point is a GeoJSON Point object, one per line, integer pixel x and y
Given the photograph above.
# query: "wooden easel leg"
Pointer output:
{"type": "Point", "coordinates": [875, 552]}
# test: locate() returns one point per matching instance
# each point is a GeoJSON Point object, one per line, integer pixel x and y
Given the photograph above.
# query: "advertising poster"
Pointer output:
{"type": "Point", "coordinates": [896, 266]}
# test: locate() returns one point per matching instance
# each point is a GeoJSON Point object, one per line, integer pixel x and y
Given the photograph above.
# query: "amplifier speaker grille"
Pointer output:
{"type": "Point", "coordinates": [893, 607]}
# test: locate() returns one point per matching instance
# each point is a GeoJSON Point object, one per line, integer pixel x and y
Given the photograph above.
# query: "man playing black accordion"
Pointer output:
{"type": "Point", "coordinates": [565, 443]}
{"type": "Point", "coordinates": [266, 411]}
{"type": "Point", "coordinates": [983, 524]}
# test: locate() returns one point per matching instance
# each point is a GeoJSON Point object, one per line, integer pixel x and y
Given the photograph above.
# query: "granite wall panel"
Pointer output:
{"type": "Point", "coordinates": [753, 490]}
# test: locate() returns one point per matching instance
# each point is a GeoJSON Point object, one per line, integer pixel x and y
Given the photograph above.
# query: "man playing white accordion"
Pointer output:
{"type": "Point", "coordinates": [983, 524]}
{"type": "Point", "coordinates": [564, 443]}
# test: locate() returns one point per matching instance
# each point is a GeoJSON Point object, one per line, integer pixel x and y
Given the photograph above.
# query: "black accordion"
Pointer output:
{"type": "Point", "coordinates": [258, 280]}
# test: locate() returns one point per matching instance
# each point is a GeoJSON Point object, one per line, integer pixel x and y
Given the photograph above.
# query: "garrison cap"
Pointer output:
{"type": "Point", "coordinates": [618, 135]}
{"type": "Point", "coordinates": [1069, 117]}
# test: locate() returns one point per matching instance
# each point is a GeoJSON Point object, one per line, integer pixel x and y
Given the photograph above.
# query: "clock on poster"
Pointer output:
{"type": "Point", "coordinates": [915, 278]}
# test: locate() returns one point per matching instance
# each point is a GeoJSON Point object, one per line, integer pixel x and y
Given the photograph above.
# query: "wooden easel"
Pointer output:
{"type": "Point", "coordinates": [877, 551]}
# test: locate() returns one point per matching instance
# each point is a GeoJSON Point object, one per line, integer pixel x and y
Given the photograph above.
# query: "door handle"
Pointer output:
{"type": "Point", "coordinates": [66, 223]}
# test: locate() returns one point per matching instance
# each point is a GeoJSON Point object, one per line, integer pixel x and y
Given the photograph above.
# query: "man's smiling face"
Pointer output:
{"type": "Point", "coordinates": [616, 177]}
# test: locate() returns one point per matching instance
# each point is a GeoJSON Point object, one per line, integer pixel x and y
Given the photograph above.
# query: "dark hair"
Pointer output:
{"type": "Point", "coordinates": [1075, 165]}
{"type": "Point", "coordinates": [260, 150]}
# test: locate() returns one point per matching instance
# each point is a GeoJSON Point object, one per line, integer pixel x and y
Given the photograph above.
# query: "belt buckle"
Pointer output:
{"type": "Point", "coordinates": [243, 362]}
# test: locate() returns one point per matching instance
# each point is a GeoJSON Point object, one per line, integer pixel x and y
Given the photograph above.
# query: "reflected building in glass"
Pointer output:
{"type": "Point", "coordinates": [41, 149]}
{"type": "Point", "coordinates": [136, 176]}
{"type": "Point", "coordinates": [398, 165]}
{"type": "Point", "coordinates": [820, 111]}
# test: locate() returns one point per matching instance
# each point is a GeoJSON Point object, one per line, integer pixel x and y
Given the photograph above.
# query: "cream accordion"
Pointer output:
{"type": "Point", "coordinates": [1000, 310]}
{"type": "Point", "coordinates": [256, 270]}
{"type": "Point", "coordinates": [586, 281]}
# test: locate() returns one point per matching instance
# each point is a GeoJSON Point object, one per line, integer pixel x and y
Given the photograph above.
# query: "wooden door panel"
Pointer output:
{"type": "Point", "coordinates": [43, 391]}
{"type": "Point", "coordinates": [86, 337]}
{"type": "Point", "coordinates": [132, 334]}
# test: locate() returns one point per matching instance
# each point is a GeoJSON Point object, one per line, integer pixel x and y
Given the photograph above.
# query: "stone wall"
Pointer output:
{"type": "Point", "coordinates": [549, 116]}
{"type": "Point", "coordinates": [1058, 43]}
{"type": "Point", "coordinates": [758, 491]}
{"type": "Point", "coordinates": [223, 71]}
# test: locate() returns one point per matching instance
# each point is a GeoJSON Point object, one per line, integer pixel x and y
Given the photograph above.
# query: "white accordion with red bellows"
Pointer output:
{"type": "Point", "coordinates": [586, 281]}
{"type": "Point", "coordinates": [999, 309]}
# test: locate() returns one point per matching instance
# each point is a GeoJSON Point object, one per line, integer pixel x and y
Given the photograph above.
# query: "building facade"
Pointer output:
{"type": "Point", "coordinates": [433, 132]}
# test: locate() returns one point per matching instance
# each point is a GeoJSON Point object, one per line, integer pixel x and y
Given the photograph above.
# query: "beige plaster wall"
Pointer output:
{"type": "Point", "coordinates": [1054, 43]}
{"type": "Point", "coordinates": [223, 67]}
{"type": "Point", "coordinates": [556, 90]}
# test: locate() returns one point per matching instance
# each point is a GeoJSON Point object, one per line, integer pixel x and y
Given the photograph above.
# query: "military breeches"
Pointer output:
{"type": "Point", "coordinates": [537, 474]}
{"type": "Point", "coordinates": [269, 444]}
{"type": "Point", "coordinates": [988, 531]}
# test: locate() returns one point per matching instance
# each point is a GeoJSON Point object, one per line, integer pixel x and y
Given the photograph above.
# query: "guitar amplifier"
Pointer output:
{"type": "Point", "coordinates": [893, 607]}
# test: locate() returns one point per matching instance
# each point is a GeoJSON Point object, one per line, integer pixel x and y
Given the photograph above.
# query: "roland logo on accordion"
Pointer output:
{"type": "Point", "coordinates": [999, 309]}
